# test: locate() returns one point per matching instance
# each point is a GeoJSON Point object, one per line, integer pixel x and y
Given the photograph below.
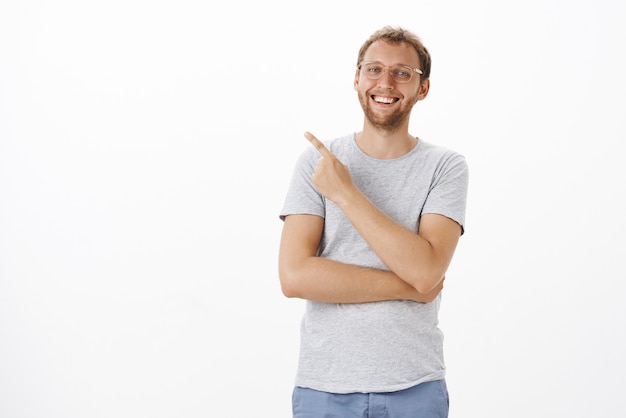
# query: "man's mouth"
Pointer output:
{"type": "Point", "coordinates": [384, 99]}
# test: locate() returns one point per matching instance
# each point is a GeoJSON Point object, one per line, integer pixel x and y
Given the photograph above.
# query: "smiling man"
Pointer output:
{"type": "Point", "coordinates": [371, 223]}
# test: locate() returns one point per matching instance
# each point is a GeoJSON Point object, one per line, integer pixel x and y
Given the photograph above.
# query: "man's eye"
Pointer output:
{"type": "Point", "coordinates": [374, 70]}
{"type": "Point", "coordinates": [401, 73]}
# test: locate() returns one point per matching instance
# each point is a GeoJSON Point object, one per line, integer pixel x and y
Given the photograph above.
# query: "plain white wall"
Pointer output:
{"type": "Point", "coordinates": [145, 149]}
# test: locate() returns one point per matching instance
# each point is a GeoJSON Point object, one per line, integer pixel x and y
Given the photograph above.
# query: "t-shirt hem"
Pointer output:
{"type": "Point", "coordinates": [330, 388]}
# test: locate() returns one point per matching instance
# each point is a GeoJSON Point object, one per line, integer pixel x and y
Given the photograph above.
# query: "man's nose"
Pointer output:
{"type": "Point", "coordinates": [386, 79]}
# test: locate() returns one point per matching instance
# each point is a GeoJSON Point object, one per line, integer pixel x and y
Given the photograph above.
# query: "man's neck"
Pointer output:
{"type": "Point", "coordinates": [385, 145]}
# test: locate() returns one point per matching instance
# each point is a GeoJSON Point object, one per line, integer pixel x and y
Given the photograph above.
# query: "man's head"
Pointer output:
{"type": "Point", "coordinates": [392, 74]}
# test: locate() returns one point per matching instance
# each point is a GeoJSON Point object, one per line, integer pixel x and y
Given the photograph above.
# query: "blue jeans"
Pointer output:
{"type": "Point", "coordinates": [426, 400]}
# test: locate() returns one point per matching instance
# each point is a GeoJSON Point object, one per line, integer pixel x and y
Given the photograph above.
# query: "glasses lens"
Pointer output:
{"type": "Point", "coordinates": [401, 74]}
{"type": "Point", "coordinates": [373, 70]}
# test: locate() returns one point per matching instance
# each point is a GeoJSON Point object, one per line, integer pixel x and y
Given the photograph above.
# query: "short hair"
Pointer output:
{"type": "Point", "coordinates": [398, 35]}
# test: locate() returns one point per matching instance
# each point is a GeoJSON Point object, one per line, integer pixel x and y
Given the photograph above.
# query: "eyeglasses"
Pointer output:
{"type": "Point", "coordinates": [400, 73]}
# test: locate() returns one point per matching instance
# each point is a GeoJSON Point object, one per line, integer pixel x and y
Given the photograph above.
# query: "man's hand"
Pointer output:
{"type": "Point", "coordinates": [331, 177]}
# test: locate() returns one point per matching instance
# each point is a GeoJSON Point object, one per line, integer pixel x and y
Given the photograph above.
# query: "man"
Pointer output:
{"type": "Point", "coordinates": [371, 222]}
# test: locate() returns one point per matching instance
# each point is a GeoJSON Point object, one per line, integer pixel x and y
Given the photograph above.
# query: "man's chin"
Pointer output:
{"type": "Point", "coordinates": [385, 123]}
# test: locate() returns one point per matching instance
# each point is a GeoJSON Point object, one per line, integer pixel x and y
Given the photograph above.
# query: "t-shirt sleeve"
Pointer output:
{"type": "Point", "coordinates": [302, 196]}
{"type": "Point", "coordinates": [448, 193]}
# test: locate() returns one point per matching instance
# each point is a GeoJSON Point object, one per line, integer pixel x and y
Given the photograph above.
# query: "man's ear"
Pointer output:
{"type": "Point", "coordinates": [356, 80]}
{"type": "Point", "coordinates": [423, 89]}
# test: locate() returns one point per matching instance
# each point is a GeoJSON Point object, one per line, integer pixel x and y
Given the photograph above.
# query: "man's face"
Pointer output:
{"type": "Point", "coordinates": [387, 103]}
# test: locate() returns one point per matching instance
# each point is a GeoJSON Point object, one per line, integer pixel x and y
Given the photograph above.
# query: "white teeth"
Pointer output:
{"type": "Point", "coordinates": [387, 100]}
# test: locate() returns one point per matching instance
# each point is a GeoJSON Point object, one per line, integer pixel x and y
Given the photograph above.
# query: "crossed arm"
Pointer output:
{"type": "Point", "coordinates": [418, 262]}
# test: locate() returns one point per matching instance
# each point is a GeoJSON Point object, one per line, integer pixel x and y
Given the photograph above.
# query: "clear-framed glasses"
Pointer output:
{"type": "Point", "coordinates": [400, 73]}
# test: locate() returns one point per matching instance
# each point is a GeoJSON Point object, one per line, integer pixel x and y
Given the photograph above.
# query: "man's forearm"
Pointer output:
{"type": "Point", "coordinates": [330, 281]}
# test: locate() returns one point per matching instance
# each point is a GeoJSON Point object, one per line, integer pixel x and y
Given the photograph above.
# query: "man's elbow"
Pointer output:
{"type": "Point", "coordinates": [289, 291]}
{"type": "Point", "coordinates": [425, 283]}
{"type": "Point", "coordinates": [424, 288]}
{"type": "Point", "coordinates": [289, 283]}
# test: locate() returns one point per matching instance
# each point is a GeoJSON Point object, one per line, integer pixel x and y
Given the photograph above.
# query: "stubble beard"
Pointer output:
{"type": "Point", "coordinates": [391, 122]}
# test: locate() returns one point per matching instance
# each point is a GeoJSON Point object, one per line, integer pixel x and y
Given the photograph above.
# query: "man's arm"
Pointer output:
{"type": "Point", "coordinates": [305, 275]}
{"type": "Point", "coordinates": [422, 259]}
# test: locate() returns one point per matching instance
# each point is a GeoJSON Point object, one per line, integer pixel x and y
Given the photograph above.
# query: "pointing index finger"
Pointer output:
{"type": "Point", "coordinates": [318, 145]}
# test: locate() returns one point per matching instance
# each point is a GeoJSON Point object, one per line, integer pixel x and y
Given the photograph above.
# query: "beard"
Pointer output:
{"type": "Point", "coordinates": [388, 122]}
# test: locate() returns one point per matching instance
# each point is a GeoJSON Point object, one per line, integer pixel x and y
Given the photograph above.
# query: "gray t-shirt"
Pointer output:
{"type": "Point", "coordinates": [380, 346]}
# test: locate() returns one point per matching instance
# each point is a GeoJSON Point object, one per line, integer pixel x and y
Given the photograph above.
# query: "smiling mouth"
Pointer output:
{"type": "Point", "coordinates": [384, 100]}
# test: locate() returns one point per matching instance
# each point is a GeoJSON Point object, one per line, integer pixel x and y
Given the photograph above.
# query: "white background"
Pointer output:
{"type": "Point", "coordinates": [145, 149]}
